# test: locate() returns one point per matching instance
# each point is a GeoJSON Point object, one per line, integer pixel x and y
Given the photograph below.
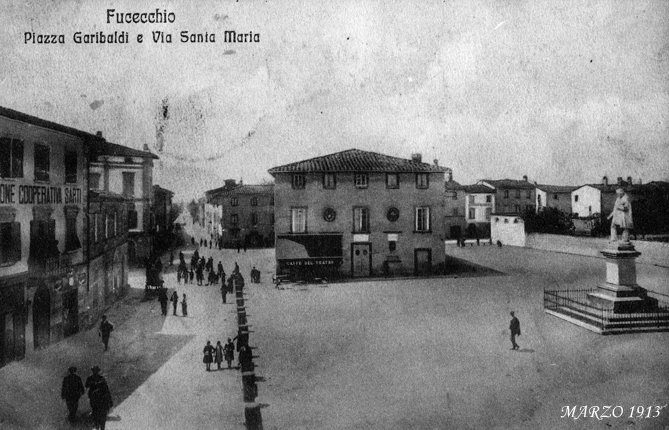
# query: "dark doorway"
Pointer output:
{"type": "Point", "coordinates": [42, 317]}
{"type": "Point", "coordinates": [8, 344]}
{"type": "Point", "coordinates": [422, 261]}
{"type": "Point", "coordinates": [361, 259]}
{"type": "Point", "coordinates": [70, 313]}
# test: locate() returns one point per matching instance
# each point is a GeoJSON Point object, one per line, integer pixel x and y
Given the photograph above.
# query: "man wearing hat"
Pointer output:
{"type": "Point", "coordinates": [71, 390]}
{"type": "Point", "coordinates": [100, 398]}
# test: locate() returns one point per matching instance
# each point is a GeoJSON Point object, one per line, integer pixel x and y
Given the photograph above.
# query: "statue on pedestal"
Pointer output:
{"type": "Point", "coordinates": [621, 217]}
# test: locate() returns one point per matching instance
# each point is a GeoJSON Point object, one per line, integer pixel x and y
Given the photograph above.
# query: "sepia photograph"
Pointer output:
{"type": "Point", "coordinates": [352, 214]}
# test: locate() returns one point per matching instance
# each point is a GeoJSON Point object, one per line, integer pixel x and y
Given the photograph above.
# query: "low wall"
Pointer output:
{"type": "Point", "coordinates": [656, 253]}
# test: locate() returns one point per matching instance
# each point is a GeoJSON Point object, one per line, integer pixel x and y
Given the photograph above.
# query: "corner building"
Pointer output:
{"type": "Point", "coordinates": [358, 213]}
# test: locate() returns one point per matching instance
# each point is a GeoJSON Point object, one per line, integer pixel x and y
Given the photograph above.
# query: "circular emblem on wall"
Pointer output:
{"type": "Point", "coordinates": [329, 214]}
{"type": "Point", "coordinates": [393, 214]}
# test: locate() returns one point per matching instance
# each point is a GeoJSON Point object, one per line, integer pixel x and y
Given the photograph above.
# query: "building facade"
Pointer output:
{"type": "Point", "coordinates": [455, 223]}
{"type": "Point", "coordinates": [247, 215]}
{"type": "Point", "coordinates": [359, 213]}
{"type": "Point", "coordinates": [511, 195]}
{"type": "Point", "coordinates": [43, 273]}
{"type": "Point", "coordinates": [479, 205]}
{"type": "Point", "coordinates": [129, 172]}
{"type": "Point", "coordinates": [554, 196]}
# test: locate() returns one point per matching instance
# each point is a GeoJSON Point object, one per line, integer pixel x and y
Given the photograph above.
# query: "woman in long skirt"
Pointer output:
{"type": "Point", "coordinates": [218, 355]}
{"type": "Point", "coordinates": [208, 352]}
{"type": "Point", "coordinates": [229, 352]}
{"type": "Point", "coordinates": [184, 306]}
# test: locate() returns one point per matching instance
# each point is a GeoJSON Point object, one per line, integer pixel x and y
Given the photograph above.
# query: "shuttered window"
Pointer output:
{"type": "Point", "coordinates": [11, 158]}
{"type": "Point", "coordinates": [10, 243]}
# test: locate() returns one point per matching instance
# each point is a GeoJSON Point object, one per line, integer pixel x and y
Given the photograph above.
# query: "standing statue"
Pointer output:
{"type": "Point", "coordinates": [621, 216]}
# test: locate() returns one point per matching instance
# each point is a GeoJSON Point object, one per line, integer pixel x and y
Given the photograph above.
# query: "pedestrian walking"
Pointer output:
{"type": "Point", "coordinates": [218, 355]}
{"type": "Point", "coordinates": [229, 350]}
{"type": "Point", "coordinates": [100, 398]}
{"type": "Point", "coordinates": [224, 288]}
{"type": "Point", "coordinates": [105, 330]}
{"type": "Point", "coordinates": [236, 269]}
{"type": "Point", "coordinates": [208, 352]}
{"type": "Point", "coordinates": [162, 298]}
{"type": "Point", "coordinates": [174, 299]}
{"type": "Point", "coordinates": [192, 275]}
{"type": "Point", "coordinates": [71, 390]}
{"type": "Point", "coordinates": [184, 306]}
{"type": "Point", "coordinates": [514, 327]}
{"type": "Point", "coordinates": [220, 269]}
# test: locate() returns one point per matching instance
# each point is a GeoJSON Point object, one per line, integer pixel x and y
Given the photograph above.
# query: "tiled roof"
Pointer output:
{"type": "Point", "coordinates": [245, 190]}
{"type": "Point", "coordinates": [556, 188]}
{"type": "Point", "coordinates": [509, 183]}
{"type": "Point", "coordinates": [102, 147]}
{"type": "Point", "coordinates": [478, 189]}
{"type": "Point", "coordinates": [610, 188]}
{"type": "Point", "coordinates": [454, 186]}
{"type": "Point", "coordinates": [159, 189]}
{"type": "Point", "coordinates": [356, 160]}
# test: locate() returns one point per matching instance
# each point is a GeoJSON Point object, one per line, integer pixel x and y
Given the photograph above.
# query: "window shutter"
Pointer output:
{"type": "Point", "coordinates": [17, 155]}
{"type": "Point", "coordinates": [16, 241]}
{"type": "Point", "coordinates": [5, 157]}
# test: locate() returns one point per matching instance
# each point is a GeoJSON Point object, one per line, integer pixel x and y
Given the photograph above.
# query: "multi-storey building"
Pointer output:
{"type": "Point", "coordinates": [42, 231]}
{"type": "Point", "coordinates": [479, 205]}
{"type": "Point", "coordinates": [359, 213]}
{"type": "Point", "coordinates": [512, 196]}
{"type": "Point", "coordinates": [454, 208]}
{"type": "Point", "coordinates": [128, 172]}
{"type": "Point", "coordinates": [554, 196]}
{"type": "Point", "coordinates": [247, 214]}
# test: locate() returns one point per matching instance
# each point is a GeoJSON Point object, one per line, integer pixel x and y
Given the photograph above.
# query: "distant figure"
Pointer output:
{"type": "Point", "coordinates": [218, 355]}
{"type": "Point", "coordinates": [514, 327]}
{"type": "Point", "coordinates": [174, 299]}
{"type": "Point", "coordinates": [100, 398]}
{"type": "Point", "coordinates": [192, 241]}
{"type": "Point", "coordinates": [239, 247]}
{"type": "Point", "coordinates": [220, 268]}
{"type": "Point", "coordinates": [171, 258]}
{"type": "Point", "coordinates": [499, 243]}
{"type": "Point", "coordinates": [162, 298]}
{"type": "Point", "coordinates": [621, 217]}
{"type": "Point", "coordinates": [105, 331]}
{"type": "Point", "coordinates": [236, 269]}
{"type": "Point", "coordinates": [208, 352]}
{"type": "Point", "coordinates": [192, 275]}
{"type": "Point", "coordinates": [229, 349]}
{"type": "Point", "coordinates": [224, 288]}
{"type": "Point", "coordinates": [184, 306]}
{"type": "Point", "coordinates": [71, 391]}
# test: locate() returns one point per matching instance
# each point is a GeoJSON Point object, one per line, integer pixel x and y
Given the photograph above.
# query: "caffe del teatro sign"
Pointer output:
{"type": "Point", "coordinates": [21, 194]}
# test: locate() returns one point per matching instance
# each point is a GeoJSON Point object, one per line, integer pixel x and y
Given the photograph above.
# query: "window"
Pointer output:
{"type": "Point", "coordinates": [422, 180]}
{"type": "Point", "coordinates": [555, 196]}
{"type": "Point", "coordinates": [132, 219]}
{"type": "Point", "coordinates": [575, 197]}
{"type": "Point", "coordinates": [11, 158]}
{"type": "Point", "coordinates": [361, 180]}
{"type": "Point", "coordinates": [517, 208]}
{"type": "Point", "coordinates": [392, 245]}
{"type": "Point", "coordinates": [472, 213]}
{"type": "Point", "coordinates": [329, 181]}
{"type": "Point", "coordinates": [10, 243]}
{"type": "Point", "coordinates": [42, 162]}
{"type": "Point", "coordinates": [517, 194]}
{"type": "Point", "coordinates": [529, 208]}
{"type": "Point", "coordinates": [539, 199]}
{"type": "Point", "coordinates": [360, 220]}
{"type": "Point", "coordinates": [106, 226]}
{"type": "Point", "coordinates": [254, 201]}
{"type": "Point", "coordinates": [71, 238]}
{"type": "Point", "coordinates": [472, 199]}
{"type": "Point", "coordinates": [115, 224]}
{"type": "Point", "coordinates": [392, 180]}
{"type": "Point", "coordinates": [529, 194]}
{"type": "Point", "coordinates": [488, 211]}
{"type": "Point", "coordinates": [488, 198]}
{"type": "Point", "coordinates": [271, 201]}
{"type": "Point", "coordinates": [254, 218]}
{"type": "Point", "coordinates": [234, 201]}
{"type": "Point", "coordinates": [43, 243]}
{"type": "Point", "coordinates": [299, 181]}
{"type": "Point", "coordinates": [298, 220]}
{"type": "Point", "coordinates": [506, 194]}
{"type": "Point", "coordinates": [393, 214]}
{"type": "Point", "coordinates": [128, 184]}
{"type": "Point", "coordinates": [94, 181]}
{"type": "Point", "coordinates": [423, 218]}
{"type": "Point", "coordinates": [455, 212]}
{"type": "Point", "coordinates": [71, 161]}
{"type": "Point", "coordinates": [455, 195]}
{"type": "Point", "coordinates": [234, 219]}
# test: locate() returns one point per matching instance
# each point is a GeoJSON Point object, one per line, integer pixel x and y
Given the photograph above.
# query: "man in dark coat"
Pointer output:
{"type": "Point", "coordinates": [100, 398]}
{"type": "Point", "coordinates": [71, 390]}
{"type": "Point", "coordinates": [514, 326]}
{"type": "Point", "coordinates": [162, 298]}
{"type": "Point", "coordinates": [224, 288]}
{"type": "Point", "coordinates": [105, 330]}
{"type": "Point", "coordinates": [174, 299]}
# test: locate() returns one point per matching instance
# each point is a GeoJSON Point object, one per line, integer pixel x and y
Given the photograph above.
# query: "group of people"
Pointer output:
{"type": "Point", "coordinates": [174, 298]}
{"type": "Point", "coordinates": [98, 394]}
{"type": "Point", "coordinates": [216, 354]}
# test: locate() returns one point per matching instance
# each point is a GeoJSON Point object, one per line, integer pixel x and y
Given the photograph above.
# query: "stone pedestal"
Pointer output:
{"type": "Point", "coordinates": [620, 293]}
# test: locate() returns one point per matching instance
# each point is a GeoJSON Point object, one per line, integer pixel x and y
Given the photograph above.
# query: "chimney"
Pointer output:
{"type": "Point", "coordinates": [605, 180]}
{"type": "Point", "coordinates": [436, 162]}
{"type": "Point", "coordinates": [525, 178]}
{"type": "Point", "coordinates": [450, 176]}
{"type": "Point", "coordinates": [417, 157]}
{"type": "Point", "coordinates": [146, 147]}
{"type": "Point", "coordinates": [99, 134]}
{"type": "Point", "coordinates": [629, 180]}
{"type": "Point", "coordinates": [620, 180]}
{"type": "Point", "coordinates": [230, 183]}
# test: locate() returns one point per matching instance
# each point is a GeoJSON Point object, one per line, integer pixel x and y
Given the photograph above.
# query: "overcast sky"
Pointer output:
{"type": "Point", "coordinates": [564, 92]}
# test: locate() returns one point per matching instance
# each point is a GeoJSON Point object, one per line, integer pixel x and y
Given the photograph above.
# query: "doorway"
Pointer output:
{"type": "Point", "coordinates": [70, 313]}
{"type": "Point", "coordinates": [422, 261]}
{"type": "Point", "coordinates": [42, 317]}
{"type": "Point", "coordinates": [361, 259]}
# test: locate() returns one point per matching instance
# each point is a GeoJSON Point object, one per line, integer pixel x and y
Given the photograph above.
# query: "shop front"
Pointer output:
{"type": "Point", "coordinates": [309, 256]}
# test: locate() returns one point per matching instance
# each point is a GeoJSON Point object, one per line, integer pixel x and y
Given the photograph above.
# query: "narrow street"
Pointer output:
{"type": "Point", "coordinates": [154, 366]}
